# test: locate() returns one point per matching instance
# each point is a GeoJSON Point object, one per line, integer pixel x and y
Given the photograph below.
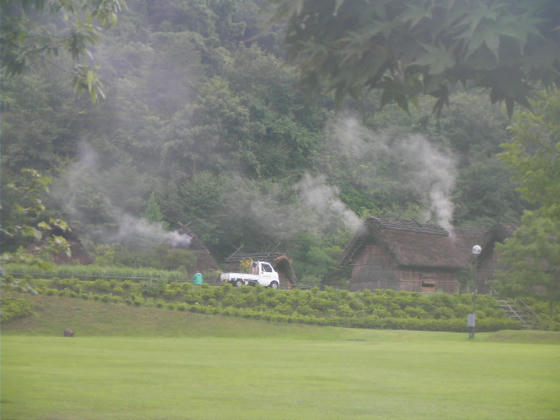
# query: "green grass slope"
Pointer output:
{"type": "Point", "coordinates": [145, 363]}
{"type": "Point", "coordinates": [51, 315]}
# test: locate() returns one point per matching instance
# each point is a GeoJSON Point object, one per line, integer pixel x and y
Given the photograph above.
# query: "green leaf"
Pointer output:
{"type": "Point", "coordinates": [44, 225]}
{"type": "Point", "coordinates": [414, 13]}
{"type": "Point", "coordinates": [31, 232]}
{"type": "Point", "coordinates": [437, 59]}
{"type": "Point", "coordinates": [61, 224]}
{"type": "Point", "coordinates": [486, 34]}
{"type": "Point", "coordinates": [337, 6]}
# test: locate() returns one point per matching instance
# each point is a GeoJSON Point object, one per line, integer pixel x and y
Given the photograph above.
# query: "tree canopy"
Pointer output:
{"type": "Point", "coordinates": [531, 257]}
{"type": "Point", "coordinates": [533, 154]}
{"type": "Point", "coordinates": [405, 47]}
{"type": "Point", "coordinates": [205, 124]}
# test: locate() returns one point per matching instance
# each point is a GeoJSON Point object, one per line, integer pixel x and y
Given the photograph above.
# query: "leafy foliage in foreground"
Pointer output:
{"type": "Point", "coordinates": [365, 309]}
{"type": "Point", "coordinates": [26, 37]}
{"type": "Point", "coordinates": [405, 48]}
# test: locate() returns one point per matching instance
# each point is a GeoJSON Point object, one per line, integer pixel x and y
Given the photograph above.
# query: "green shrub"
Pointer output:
{"type": "Point", "coordinates": [369, 309]}
{"type": "Point", "coordinates": [153, 288]}
{"type": "Point", "coordinates": [100, 285]}
{"type": "Point", "coordinates": [12, 307]}
{"type": "Point", "coordinates": [178, 259]}
{"type": "Point", "coordinates": [443, 312]}
{"type": "Point", "coordinates": [118, 290]}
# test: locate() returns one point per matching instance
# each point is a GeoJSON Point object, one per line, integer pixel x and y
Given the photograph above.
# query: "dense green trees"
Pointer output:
{"type": "Point", "coordinates": [531, 257]}
{"type": "Point", "coordinates": [534, 152]}
{"type": "Point", "coordinates": [210, 125]}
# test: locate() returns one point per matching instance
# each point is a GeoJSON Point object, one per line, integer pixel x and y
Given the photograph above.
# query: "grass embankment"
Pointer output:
{"type": "Point", "coordinates": [177, 365]}
{"type": "Point", "coordinates": [386, 309]}
{"type": "Point", "coordinates": [51, 315]}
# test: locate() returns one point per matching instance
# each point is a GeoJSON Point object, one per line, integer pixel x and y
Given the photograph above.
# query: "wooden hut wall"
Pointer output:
{"type": "Point", "coordinates": [374, 269]}
{"type": "Point", "coordinates": [205, 261]}
{"type": "Point", "coordinates": [485, 271]}
{"type": "Point", "coordinates": [428, 280]}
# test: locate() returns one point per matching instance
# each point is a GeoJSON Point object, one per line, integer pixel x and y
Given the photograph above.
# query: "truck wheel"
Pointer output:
{"type": "Point", "coordinates": [274, 285]}
{"type": "Point", "coordinates": [238, 283]}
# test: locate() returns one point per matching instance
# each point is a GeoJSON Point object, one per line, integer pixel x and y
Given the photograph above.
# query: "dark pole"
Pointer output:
{"type": "Point", "coordinates": [475, 294]}
{"type": "Point", "coordinates": [476, 250]}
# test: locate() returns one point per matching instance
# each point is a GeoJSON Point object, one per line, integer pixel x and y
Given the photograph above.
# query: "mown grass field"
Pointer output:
{"type": "Point", "coordinates": [143, 363]}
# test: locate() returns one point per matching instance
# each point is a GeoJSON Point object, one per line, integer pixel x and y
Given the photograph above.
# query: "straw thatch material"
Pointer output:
{"type": "Point", "coordinates": [408, 242]}
{"type": "Point", "coordinates": [79, 255]}
{"type": "Point", "coordinates": [204, 259]}
{"type": "Point", "coordinates": [407, 255]}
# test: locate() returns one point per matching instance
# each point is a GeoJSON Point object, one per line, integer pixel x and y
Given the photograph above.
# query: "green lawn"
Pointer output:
{"type": "Point", "coordinates": [240, 369]}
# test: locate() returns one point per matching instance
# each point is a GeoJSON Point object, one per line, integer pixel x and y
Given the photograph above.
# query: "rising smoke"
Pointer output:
{"type": "Point", "coordinates": [427, 168]}
{"type": "Point", "coordinates": [84, 191]}
{"type": "Point", "coordinates": [316, 208]}
{"type": "Point", "coordinates": [318, 195]}
{"type": "Point", "coordinates": [433, 173]}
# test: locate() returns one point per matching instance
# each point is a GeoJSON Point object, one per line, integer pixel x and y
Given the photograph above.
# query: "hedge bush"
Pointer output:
{"type": "Point", "coordinates": [12, 307]}
{"type": "Point", "coordinates": [366, 309]}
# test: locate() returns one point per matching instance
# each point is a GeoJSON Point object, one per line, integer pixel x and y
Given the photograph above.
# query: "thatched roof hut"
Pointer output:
{"type": "Point", "coordinates": [407, 255]}
{"type": "Point", "coordinates": [78, 254]}
{"type": "Point", "coordinates": [204, 259]}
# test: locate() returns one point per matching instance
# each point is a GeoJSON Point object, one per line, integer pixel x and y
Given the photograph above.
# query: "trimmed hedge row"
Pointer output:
{"type": "Point", "coordinates": [366, 309]}
{"type": "Point", "coordinates": [95, 271]}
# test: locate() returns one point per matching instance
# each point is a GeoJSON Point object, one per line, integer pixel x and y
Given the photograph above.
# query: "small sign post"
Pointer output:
{"type": "Point", "coordinates": [471, 322]}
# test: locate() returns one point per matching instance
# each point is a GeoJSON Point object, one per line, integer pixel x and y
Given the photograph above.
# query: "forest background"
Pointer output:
{"type": "Point", "coordinates": [205, 124]}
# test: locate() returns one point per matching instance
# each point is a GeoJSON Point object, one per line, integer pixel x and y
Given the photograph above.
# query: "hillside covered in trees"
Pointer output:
{"type": "Point", "coordinates": [205, 125]}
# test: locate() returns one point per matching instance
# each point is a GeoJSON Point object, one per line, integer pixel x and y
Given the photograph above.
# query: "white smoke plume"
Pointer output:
{"type": "Point", "coordinates": [434, 172]}
{"type": "Point", "coordinates": [430, 169]}
{"type": "Point", "coordinates": [316, 207]}
{"type": "Point", "coordinates": [134, 229]}
{"type": "Point", "coordinates": [315, 193]}
{"type": "Point", "coordinates": [82, 183]}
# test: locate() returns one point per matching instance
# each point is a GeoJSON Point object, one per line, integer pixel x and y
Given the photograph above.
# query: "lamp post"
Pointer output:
{"type": "Point", "coordinates": [471, 318]}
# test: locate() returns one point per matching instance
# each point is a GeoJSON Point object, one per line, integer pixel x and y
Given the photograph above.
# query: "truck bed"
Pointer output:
{"type": "Point", "coordinates": [244, 276]}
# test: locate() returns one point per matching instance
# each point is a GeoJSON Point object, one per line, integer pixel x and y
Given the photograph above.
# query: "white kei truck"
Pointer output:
{"type": "Point", "coordinates": [261, 273]}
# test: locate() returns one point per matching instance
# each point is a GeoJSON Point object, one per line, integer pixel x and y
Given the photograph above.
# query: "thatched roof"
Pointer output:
{"type": "Point", "coordinates": [413, 244]}
{"type": "Point", "coordinates": [258, 256]}
{"type": "Point", "coordinates": [204, 259]}
{"type": "Point", "coordinates": [78, 252]}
